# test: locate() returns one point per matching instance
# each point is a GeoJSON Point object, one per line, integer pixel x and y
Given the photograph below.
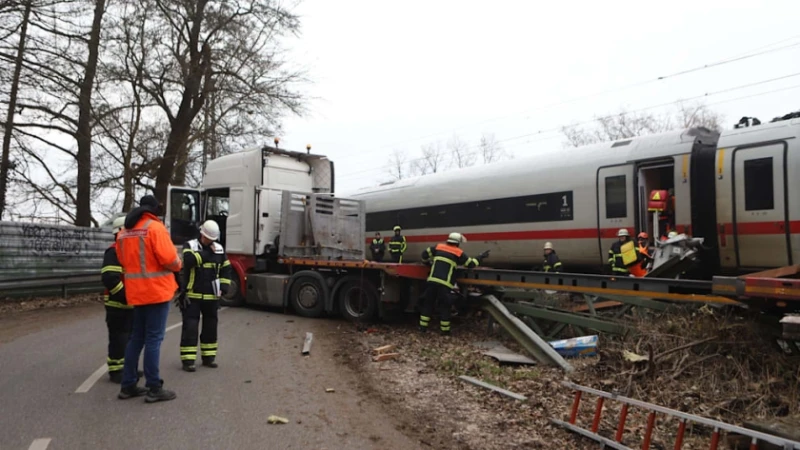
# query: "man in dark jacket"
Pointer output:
{"type": "Point", "coordinates": [444, 259]}
{"type": "Point", "coordinates": [377, 248]}
{"type": "Point", "coordinates": [551, 261]}
{"type": "Point", "coordinates": [119, 315]}
{"type": "Point", "coordinates": [615, 259]}
{"type": "Point", "coordinates": [397, 245]}
{"type": "Point", "coordinates": [206, 278]}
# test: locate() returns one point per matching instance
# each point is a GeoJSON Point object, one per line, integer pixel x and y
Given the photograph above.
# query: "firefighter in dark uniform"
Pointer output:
{"type": "Point", "coordinates": [206, 278]}
{"type": "Point", "coordinates": [615, 253]}
{"type": "Point", "coordinates": [551, 261]}
{"type": "Point", "coordinates": [397, 245]}
{"type": "Point", "coordinates": [377, 248]}
{"type": "Point", "coordinates": [119, 316]}
{"type": "Point", "coordinates": [444, 259]}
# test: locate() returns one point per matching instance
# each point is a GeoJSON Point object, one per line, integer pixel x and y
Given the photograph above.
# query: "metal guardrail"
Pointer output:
{"type": "Point", "coordinates": [62, 285]}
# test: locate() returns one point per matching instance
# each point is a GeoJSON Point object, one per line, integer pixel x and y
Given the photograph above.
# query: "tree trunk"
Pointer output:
{"type": "Point", "coordinates": [83, 211]}
{"type": "Point", "coordinates": [5, 163]}
{"type": "Point", "coordinates": [166, 169]}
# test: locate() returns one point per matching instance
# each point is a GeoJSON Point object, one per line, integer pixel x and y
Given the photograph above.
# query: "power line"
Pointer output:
{"type": "Point", "coordinates": [559, 128]}
{"type": "Point", "coordinates": [753, 53]}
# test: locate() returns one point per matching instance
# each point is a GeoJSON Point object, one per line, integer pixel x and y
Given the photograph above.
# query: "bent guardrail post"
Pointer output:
{"type": "Point", "coordinates": [534, 344]}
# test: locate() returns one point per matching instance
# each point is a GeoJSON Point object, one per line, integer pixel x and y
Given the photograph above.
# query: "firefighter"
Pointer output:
{"type": "Point", "coordinates": [377, 248]}
{"type": "Point", "coordinates": [119, 315]}
{"type": "Point", "coordinates": [397, 245]}
{"type": "Point", "coordinates": [551, 261]}
{"type": "Point", "coordinates": [444, 258]}
{"type": "Point", "coordinates": [205, 280]}
{"type": "Point", "coordinates": [643, 257]}
{"type": "Point", "coordinates": [615, 257]}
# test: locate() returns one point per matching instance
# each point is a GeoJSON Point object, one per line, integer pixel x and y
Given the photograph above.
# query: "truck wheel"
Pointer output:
{"type": "Point", "coordinates": [358, 300]}
{"type": "Point", "coordinates": [236, 299]}
{"type": "Point", "coordinates": [307, 296]}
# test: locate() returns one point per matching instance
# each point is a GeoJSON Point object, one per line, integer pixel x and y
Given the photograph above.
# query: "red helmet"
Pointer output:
{"type": "Point", "coordinates": [642, 235]}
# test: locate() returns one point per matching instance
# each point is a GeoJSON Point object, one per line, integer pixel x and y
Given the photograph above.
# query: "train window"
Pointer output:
{"type": "Point", "coordinates": [758, 182]}
{"type": "Point", "coordinates": [616, 197]}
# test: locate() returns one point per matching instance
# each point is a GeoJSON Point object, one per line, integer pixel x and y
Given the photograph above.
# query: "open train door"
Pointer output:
{"type": "Point", "coordinates": [760, 217]}
{"type": "Point", "coordinates": [182, 214]}
{"type": "Point", "coordinates": [615, 206]}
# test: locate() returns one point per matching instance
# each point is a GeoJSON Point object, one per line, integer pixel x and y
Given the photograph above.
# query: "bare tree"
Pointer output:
{"type": "Point", "coordinates": [460, 153]}
{"type": "Point", "coordinates": [432, 160]}
{"type": "Point", "coordinates": [397, 168]}
{"type": "Point", "coordinates": [490, 150]}
{"type": "Point", "coordinates": [5, 162]}
{"type": "Point", "coordinates": [624, 125]}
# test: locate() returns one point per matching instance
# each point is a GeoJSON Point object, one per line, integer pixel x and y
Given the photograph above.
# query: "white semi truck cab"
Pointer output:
{"type": "Point", "coordinates": [242, 193]}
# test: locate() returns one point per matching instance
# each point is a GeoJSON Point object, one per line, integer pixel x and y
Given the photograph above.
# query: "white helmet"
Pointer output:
{"type": "Point", "coordinates": [456, 238]}
{"type": "Point", "coordinates": [118, 224]}
{"type": "Point", "coordinates": [623, 232]}
{"type": "Point", "coordinates": [672, 234]}
{"type": "Point", "coordinates": [210, 230]}
{"type": "Point", "coordinates": [548, 245]}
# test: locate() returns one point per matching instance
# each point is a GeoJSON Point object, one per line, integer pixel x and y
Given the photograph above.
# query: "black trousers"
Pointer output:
{"type": "Point", "coordinates": [377, 257]}
{"type": "Point", "coordinates": [119, 322]}
{"type": "Point", "coordinates": [208, 337]}
{"type": "Point", "coordinates": [396, 257]}
{"type": "Point", "coordinates": [436, 293]}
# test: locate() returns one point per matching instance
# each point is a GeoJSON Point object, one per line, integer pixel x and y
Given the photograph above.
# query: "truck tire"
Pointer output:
{"type": "Point", "coordinates": [237, 299]}
{"type": "Point", "coordinates": [358, 299]}
{"type": "Point", "coordinates": [307, 295]}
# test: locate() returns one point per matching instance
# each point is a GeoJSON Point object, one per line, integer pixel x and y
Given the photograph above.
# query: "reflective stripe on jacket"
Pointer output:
{"type": "Point", "coordinates": [148, 258]}
{"type": "Point", "coordinates": [113, 280]}
{"type": "Point", "coordinates": [551, 263]}
{"type": "Point", "coordinates": [615, 258]}
{"type": "Point", "coordinates": [446, 258]}
{"type": "Point", "coordinates": [397, 244]}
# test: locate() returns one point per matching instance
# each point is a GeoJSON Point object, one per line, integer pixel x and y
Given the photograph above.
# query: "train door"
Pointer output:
{"type": "Point", "coordinates": [615, 206]}
{"type": "Point", "coordinates": [655, 176]}
{"type": "Point", "coordinates": [760, 220]}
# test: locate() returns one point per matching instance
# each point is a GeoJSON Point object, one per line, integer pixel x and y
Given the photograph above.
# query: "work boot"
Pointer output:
{"type": "Point", "coordinates": [189, 366]}
{"type": "Point", "coordinates": [209, 362]}
{"type": "Point", "coordinates": [115, 377]}
{"type": "Point", "coordinates": [444, 333]}
{"type": "Point", "coordinates": [159, 394]}
{"type": "Point", "coordinates": [131, 391]}
{"type": "Point", "coordinates": [422, 329]}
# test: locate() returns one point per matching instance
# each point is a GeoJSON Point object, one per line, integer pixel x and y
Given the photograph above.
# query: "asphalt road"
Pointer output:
{"type": "Point", "coordinates": [48, 355]}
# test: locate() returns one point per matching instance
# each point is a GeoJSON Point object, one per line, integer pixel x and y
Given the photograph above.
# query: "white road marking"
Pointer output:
{"type": "Point", "coordinates": [86, 385]}
{"type": "Point", "coordinates": [40, 444]}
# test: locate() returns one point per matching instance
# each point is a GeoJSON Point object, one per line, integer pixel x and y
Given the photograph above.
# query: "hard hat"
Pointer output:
{"type": "Point", "coordinates": [118, 224]}
{"type": "Point", "coordinates": [642, 235]}
{"type": "Point", "coordinates": [456, 238]}
{"type": "Point", "coordinates": [548, 245]}
{"type": "Point", "coordinates": [396, 228]}
{"type": "Point", "coordinates": [623, 232]}
{"type": "Point", "coordinates": [672, 234]}
{"type": "Point", "coordinates": [210, 230]}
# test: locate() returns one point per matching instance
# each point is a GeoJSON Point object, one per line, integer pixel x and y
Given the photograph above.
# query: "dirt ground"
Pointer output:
{"type": "Point", "coordinates": [19, 317]}
{"type": "Point", "coordinates": [715, 364]}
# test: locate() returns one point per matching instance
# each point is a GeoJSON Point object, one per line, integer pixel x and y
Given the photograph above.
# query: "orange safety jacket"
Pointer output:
{"type": "Point", "coordinates": [149, 259]}
{"type": "Point", "coordinates": [638, 269]}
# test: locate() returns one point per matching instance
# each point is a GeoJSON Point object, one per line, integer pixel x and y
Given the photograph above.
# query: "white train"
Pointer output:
{"type": "Point", "coordinates": [740, 190]}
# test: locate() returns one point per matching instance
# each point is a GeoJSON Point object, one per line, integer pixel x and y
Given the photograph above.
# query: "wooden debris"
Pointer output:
{"type": "Point", "coordinates": [385, 356]}
{"type": "Point", "coordinates": [307, 343]}
{"type": "Point", "coordinates": [329, 390]}
{"type": "Point", "coordinates": [492, 387]}
{"type": "Point", "coordinates": [383, 349]}
{"type": "Point", "coordinates": [277, 419]}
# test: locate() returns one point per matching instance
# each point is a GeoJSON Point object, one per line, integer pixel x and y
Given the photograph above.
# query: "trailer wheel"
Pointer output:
{"type": "Point", "coordinates": [358, 300]}
{"type": "Point", "coordinates": [307, 296]}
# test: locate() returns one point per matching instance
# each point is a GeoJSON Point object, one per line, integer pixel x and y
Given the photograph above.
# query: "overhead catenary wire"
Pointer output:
{"type": "Point", "coordinates": [763, 50]}
{"type": "Point", "coordinates": [354, 175]}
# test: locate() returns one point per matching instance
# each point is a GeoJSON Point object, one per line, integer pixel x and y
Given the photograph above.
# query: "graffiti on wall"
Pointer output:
{"type": "Point", "coordinates": [48, 240]}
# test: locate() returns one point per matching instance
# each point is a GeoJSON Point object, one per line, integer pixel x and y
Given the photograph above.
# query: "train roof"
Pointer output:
{"type": "Point", "coordinates": [548, 163]}
{"type": "Point", "coordinates": [778, 130]}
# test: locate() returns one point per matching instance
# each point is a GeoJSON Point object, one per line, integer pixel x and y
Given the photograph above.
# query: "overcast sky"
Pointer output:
{"type": "Point", "coordinates": [397, 75]}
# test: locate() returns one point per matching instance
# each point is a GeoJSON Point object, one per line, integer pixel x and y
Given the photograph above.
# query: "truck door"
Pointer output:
{"type": "Point", "coordinates": [182, 216]}
{"type": "Point", "coordinates": [615, 207]}
{"type": "Point", "coordinates": [760, 222]}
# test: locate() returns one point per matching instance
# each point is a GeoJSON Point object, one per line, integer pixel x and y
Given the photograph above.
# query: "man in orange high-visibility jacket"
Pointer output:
{"type": "Point", "coordinates": [149, 261]}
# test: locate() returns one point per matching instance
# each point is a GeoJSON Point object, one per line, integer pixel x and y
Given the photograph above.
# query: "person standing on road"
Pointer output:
{"type": "Point", "coordinates": [397, 245]}
{"type": "Point", "coordinates": [444, 259]}
{"type": "Point", "coordinates": [208, 271]}
{"type": "Point", "coordinates": [551, 261]}
{"type": "Point", "coordinates": [149, 261]}
{"type": "Point", "coordinates": [377, 248]}
{"type": "Point", "coordinates": [119, 314]}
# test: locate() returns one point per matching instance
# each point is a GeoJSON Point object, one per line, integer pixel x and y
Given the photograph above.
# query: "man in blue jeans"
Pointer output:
{"type": "Point", "coordinates": [149, 262]}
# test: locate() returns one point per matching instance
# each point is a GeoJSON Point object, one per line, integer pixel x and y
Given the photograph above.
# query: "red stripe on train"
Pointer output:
{"type": "Point", "coordinates": [756, 228]}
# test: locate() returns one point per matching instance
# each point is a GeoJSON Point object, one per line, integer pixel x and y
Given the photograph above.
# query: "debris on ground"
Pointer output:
{"type": "Point", "coordinates": [307, 343]}
{"type": "Point", "coordinates": [383, 353]}
{"type": "Point", "coordinates": [329, 390]}
{"type": "Point", "coordinates": [492, 387]}
{"type": "Point", "coordinates": [11, 305]}
{"type": "Point", "coordinates": [718, 363]}
{"type": "Point", "coordinates": [277, 419]}
{"type": "Point", "coordinates": [574, 347]}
